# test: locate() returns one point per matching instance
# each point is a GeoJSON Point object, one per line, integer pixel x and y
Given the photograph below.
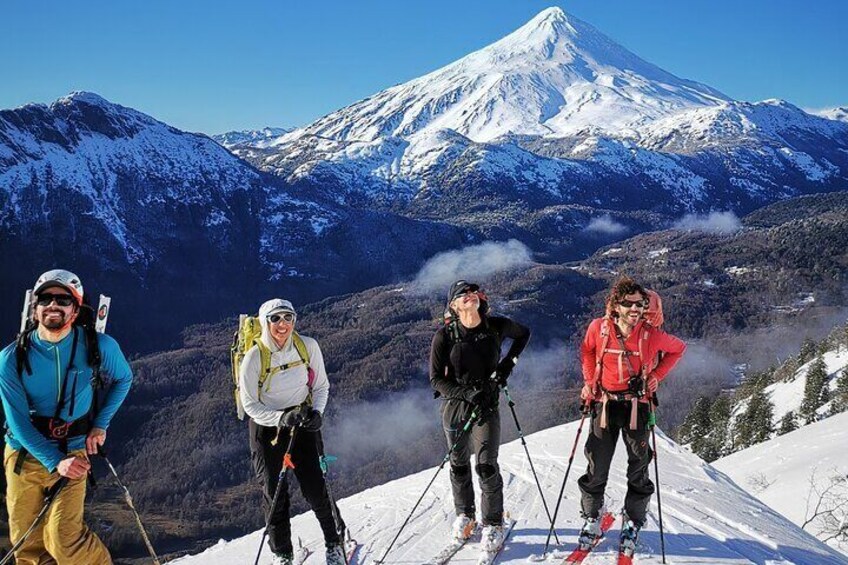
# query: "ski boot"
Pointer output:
{"type": "Point", "coordinates": [283, 559]}
{"type": "Point", "coordinates": [629, 536]}
{"type": "Point", "coordinates": [589, 533]}
{"type": "Point", "coordinates": [463, 527]}
{"type": "Point", "coordinates": [335, 554]}
{"type": "Point", "coordinates": [493, 536]}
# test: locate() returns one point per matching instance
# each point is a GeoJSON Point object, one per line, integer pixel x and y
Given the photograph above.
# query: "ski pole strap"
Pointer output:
{"type": "Point", "coordinates": [325, 461]}
{"type": "Point", "coordinates": [652, 419]}
{"type": "Point", "coordinates": [508, 397]}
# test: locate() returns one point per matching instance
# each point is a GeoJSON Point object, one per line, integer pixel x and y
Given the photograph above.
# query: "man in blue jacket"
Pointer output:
{"type": "Point", "coordinates": [47, 385]}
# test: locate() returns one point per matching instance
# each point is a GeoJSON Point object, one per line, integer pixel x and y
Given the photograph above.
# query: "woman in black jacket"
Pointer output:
{"type": "Point", "coordinates": [466, 371]}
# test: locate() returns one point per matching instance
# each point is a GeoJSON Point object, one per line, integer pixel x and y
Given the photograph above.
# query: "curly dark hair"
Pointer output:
{"type": "Point", "coordinates": [622, 287]}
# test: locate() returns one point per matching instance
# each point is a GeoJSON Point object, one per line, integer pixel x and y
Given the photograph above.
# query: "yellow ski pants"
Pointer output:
{"type": "Point", "coordinates": [62, 538]}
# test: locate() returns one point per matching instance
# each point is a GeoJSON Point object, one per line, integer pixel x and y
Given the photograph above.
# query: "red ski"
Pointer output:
{"type": "Point", "coordinates": [624, 559]}
{"type": "Point", "coordinates": [579, 554]}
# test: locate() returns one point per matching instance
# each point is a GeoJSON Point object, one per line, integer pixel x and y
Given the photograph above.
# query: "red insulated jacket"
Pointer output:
{"type": "Point", "coordinates": [644, 344]}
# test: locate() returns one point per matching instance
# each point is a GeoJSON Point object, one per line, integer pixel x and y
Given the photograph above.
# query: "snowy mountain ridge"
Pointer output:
{"type": "Point", "coordinates": [708, 519]}
{"type": "Point", "coordinates": [233, 138]}
{"type": "Point", "coordinates": [159, 208]}
{"type": "Point", "coordinates": [839, 113]}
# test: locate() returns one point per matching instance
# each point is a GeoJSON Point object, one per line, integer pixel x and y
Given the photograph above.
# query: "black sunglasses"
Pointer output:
{"type": "Point", "coordinates": [288, 317]}
{"type": "Point", "coordinates": [63, 300]}
{"type": "Point", "coordinates": [630, 303]}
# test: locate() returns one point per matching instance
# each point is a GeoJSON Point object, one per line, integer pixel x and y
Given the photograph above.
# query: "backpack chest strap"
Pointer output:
{"type": "Point", "coordinates": [622, 355]}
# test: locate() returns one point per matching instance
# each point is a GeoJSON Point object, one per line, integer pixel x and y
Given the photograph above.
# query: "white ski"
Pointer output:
{"type": "Point", "coordinates": [489, 557]}
{"type": "Point", "coordinates": [447, 552]}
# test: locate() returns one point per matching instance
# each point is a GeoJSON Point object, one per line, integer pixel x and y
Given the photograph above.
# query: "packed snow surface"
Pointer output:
{"type": "Point", "coordinates": [708, 519]}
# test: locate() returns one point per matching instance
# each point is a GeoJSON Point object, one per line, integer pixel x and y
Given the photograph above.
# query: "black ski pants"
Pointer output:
{"type": "Point", "coordinates": [267, 462]}
{"type": "Point", "coordinates": [600, 448]}
{"type": "Point", "coordinates": [483, 439]}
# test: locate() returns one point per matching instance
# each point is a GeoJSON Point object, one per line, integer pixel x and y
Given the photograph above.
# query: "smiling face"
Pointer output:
{"type": "Point", "coordinates": [55, 308]}
{"type": "Point", "coordinates": [466, 303]}
{"type": "Point", "coordinates": [281, 326]}
{"type": "Point", "coordinates": [630, 308]}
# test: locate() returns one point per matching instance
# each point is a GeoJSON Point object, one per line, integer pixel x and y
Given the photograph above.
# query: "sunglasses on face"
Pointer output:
{"type": "Point", "coordinates": [288, 317]}
{"type": "Point", "coordinates": [631, 303]}
{"type": "Point", "coordinates": [63, 300]}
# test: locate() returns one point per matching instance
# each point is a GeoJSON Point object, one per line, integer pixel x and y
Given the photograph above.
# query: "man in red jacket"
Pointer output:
{"type": "Point", "coordinates": [621, 372]}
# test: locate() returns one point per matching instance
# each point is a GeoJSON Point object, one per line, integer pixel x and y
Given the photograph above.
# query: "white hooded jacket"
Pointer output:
{"type": "Point", "coordinates": [284, 389]}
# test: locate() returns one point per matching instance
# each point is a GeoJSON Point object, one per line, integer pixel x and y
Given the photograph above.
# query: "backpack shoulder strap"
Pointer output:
{"type": "Point", "coordinates": [606, 323]}
{"type": "Point", "coordinates": [300, 345]}
{"type": "Point", "coordinates": [22, 352]}
{"type": "Point", "coordinates": [265, 371]}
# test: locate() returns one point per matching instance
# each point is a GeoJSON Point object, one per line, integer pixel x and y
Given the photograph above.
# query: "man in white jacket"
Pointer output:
{"type": "Point", "coordinates": [293, 395]}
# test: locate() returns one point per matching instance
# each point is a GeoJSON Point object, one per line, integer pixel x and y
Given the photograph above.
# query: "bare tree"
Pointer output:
{"type": "Point", "coordinates": [826, 514]}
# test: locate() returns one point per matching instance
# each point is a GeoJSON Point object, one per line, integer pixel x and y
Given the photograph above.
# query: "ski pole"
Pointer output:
{"type": "Point", "coordinates": [287, 464]}
{"type": "Point", "coordinates": [49, 497]}
{"type": "Point", "coordinates": [324, 462]}
{"type": "Point", "coordinates": [129, 502]}
{"type": "Point", "coordinates": [585, 408]}
{"type": "Point", "coordinates": [527, 451]}
{"type": "Point", "coordinates": [652, 423]}
{"type": "Point", "coordinates": [462, 432]}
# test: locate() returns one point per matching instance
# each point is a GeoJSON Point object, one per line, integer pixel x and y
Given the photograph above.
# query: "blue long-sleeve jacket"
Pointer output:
{"type": "Point", "coordinates": [39, 392]}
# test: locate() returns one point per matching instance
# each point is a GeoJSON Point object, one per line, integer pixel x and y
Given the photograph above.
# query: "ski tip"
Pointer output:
{"type": "Point", "coordinates": [625, 560]}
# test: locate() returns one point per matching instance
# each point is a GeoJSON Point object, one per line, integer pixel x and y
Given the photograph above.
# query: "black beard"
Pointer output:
{"type": "Point", "coordinates": [51, 325]}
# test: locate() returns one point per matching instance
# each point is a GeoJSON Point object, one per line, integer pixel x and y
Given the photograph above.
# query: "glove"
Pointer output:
{"type": "Point", "coordinates": [652, 384]}
{"type": "Point", "coordinates": [478, 398]}
{"type": "Point", "coordinates": [312, 422]}
{"type": "Point", "coordinates": [504, 370]}
{"type": "Point", "coordinates": [587, 392]}
{"type": "Point", "coordinates": [292, 418]}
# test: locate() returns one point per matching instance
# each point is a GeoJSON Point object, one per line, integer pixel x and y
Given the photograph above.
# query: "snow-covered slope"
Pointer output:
{"type": "Point", "coordinates": [708, 519]}
{"type": "Point", "coordinates": [786, 396]}
{"type": "Point", "coordinates": [779, 471]}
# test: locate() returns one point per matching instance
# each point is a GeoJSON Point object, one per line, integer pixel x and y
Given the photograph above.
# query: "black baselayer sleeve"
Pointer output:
{"type": "Point", "coordinates": [439, 360]}
{"type": "Point", "coordinates": [518, 333]}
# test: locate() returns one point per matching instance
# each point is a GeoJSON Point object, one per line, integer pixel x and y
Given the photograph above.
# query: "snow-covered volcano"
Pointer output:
{"type": "Point", "coordinates": [556, 113]}
{"type": "Point", "coordinates": [556, 75]}
{"type": "Point", "coordinates": [708, 519]}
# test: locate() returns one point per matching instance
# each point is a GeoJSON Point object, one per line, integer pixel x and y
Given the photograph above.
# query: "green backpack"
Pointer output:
{"type": "Point", "coordinates": [247, 335]}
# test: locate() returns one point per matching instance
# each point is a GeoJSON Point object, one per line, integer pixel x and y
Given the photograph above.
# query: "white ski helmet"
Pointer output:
{"type": "Point", "coordinates": [63, 278]}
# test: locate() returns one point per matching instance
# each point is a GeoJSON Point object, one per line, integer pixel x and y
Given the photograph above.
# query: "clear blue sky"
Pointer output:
{"type": "Point", "coordinates": [214, 66]}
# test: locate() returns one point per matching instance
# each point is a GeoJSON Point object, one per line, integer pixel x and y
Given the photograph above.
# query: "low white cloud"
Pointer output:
{"type": "Point", "coordinates": [714, 222]}
{"type": "Point", "coordinates": [475, 263]}
{"type": "Point", "coordinates": [605, 225]}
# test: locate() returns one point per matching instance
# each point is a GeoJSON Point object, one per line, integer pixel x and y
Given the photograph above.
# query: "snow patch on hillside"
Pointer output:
{"type": "Point", "coordinates": [779, 471]}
